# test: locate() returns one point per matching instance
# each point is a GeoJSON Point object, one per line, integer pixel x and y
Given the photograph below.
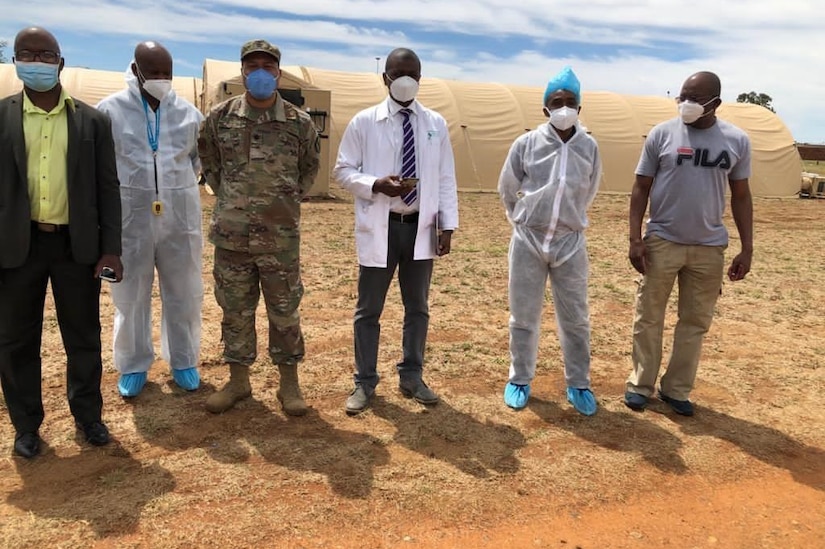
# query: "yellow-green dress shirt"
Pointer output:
{"type": "Point", "coordinates": [47, 140]}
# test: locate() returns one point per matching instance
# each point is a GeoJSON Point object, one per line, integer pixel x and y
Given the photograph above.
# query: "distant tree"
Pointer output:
{"type": "Point", "coordinates": [762, 99]}
{"type": "Point", "coordinates": [3, 45]}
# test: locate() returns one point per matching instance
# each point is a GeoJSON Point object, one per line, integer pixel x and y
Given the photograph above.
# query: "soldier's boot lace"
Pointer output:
{"type": "Point", "coordinates": [235, 390]}
{"type": "Point", "coordinates": [289, 393]}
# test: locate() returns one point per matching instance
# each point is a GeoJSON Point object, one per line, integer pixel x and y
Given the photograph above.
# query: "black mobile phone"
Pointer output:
{"type": "Point", "coordinates": [108, 274]}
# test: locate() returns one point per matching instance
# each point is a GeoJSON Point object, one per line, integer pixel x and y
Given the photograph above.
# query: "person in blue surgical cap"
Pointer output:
{"type": "Point", "coordinates": [547, 184]}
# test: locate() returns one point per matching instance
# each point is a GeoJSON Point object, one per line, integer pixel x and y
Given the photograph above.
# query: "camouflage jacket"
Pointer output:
{"type": "Point", "coordinates": [260, 165]}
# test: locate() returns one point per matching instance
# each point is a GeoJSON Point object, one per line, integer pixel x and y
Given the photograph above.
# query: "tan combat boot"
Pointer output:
{"type": "Point", "coordinates": [236, 389]}
{"type": "Point", "coordinates": [289, 393]}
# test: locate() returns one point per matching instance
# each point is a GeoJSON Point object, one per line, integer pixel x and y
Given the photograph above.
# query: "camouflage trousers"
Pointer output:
{"type": "Point", "coordinates": [240, 279]}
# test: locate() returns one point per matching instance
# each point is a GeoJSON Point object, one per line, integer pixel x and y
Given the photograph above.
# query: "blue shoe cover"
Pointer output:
{"type": "Point", "coordinates": [188, 379]}
{"type": "Point", "coordinates": [516, 396]}
{"type": "Point", "coordinates": [130, 385]}
{"type": "Point", "coordinates": [582, 400]}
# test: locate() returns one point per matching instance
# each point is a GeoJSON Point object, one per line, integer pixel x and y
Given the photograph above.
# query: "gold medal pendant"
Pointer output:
{"type": "Point", "coordinates": [157, 207]}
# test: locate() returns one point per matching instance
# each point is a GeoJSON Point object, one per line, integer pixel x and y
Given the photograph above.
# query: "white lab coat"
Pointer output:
{"type": "Point", "coordinates": [369, 150]}
{"type": "Point", "coordinates": [171, 242]}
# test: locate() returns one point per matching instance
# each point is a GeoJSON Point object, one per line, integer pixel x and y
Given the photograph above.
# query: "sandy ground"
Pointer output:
{"type": "Point", "coordinates": [748, 471]}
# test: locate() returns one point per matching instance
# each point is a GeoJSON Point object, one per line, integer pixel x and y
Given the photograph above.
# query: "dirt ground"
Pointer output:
{"type": "Point", "coordinates": [748, 471]}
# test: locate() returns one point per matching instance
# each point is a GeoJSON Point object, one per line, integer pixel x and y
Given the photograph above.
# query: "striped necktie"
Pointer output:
{"type": "Point", "coordinates": [408, 156]}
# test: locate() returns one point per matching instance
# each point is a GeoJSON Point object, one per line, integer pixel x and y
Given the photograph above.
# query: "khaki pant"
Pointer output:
{"type": "Point", "coordinates": [699, 270]}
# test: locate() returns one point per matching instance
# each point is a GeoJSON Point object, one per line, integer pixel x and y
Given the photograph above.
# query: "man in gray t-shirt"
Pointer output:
{"type": "Point", "coordinates": [684, 169]}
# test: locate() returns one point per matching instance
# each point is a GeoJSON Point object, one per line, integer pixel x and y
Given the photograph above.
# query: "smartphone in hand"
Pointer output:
{"type": "Point", "coordinates": [108, 274]}
{"type": "Point", "coordinates": [409, 183]}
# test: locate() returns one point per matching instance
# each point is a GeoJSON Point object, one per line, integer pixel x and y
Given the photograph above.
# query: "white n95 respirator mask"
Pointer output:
{"type": "Point", "coordinates": [404, 88]}
{"type": "Point", "coordinates": [563, 118]}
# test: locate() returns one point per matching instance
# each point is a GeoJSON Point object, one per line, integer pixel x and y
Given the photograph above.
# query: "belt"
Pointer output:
{"type": "Point", "coordinates": [404, 218]}
{"type": "Point", "coordinates": [49, 227]}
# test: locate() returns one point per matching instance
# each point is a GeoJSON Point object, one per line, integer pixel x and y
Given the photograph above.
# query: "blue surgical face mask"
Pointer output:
{"type": "Point", "coordinates": [261, 84]}
{"type": "Point", "coordinates": [37, 76]}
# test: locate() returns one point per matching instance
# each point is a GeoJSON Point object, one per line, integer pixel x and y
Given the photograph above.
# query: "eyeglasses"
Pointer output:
{"type": "Point", "coordinates": [46, 56]}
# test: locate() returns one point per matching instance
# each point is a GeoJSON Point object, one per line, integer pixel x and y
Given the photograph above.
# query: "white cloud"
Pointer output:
{"type": "Point", "coordinates": [760, 45]}
{"type": "Point", "coordinates": [185, 23]}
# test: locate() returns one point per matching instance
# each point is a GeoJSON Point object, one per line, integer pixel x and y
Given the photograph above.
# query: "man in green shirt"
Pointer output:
{"type": "Point", "coordinates": [60, 225]}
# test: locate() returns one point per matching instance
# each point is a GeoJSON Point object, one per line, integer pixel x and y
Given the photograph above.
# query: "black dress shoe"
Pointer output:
{"type": "Point", "coordinates": [27, 445]}
{"type": "Point", "coordinates": [419, 391]}
{"type": "Point", "coordinates": [96, 433]}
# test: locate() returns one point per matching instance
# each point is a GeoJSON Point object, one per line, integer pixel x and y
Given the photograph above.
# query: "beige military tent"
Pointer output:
{"type": "Point", "coordinates": [484, 119]}
{"type": "Point", "coordinates": [90, 86]}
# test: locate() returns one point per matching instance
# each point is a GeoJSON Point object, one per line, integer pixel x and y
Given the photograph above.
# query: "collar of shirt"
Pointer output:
{"type": "Point", "coordinates": [275, 112]}
{"type": "Point", "coordinates": [394, 108]}
{"type": "Point", "coordinates": [65, 99]}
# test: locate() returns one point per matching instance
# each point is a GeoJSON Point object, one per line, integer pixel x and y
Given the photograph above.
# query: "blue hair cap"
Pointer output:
{"type": "Point", "coordinates": [565, 80]}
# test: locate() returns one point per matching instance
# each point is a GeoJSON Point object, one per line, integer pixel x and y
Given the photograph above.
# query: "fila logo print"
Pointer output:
{"type": "Point", "coordinates": [699, 157]}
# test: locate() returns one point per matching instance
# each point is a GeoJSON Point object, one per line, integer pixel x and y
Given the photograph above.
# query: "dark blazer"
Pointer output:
{"type": "Point", "coordinates": [93, 188]}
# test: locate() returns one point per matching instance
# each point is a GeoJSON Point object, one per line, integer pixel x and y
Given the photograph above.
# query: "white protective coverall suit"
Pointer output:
{"type": "Point", "coordinates": [172, 242]}
{"type": "Point", "coordinates": [547, 186]}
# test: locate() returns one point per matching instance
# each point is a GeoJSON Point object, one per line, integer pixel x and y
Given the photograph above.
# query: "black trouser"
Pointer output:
{"type": "Point", "coordinates": [373, 283]}
{"type": "Point", "coordinates": [77, 300]}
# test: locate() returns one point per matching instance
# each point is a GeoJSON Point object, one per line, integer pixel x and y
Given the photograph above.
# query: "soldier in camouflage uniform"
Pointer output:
{"type": "Point", "coordinates": [260, 155]}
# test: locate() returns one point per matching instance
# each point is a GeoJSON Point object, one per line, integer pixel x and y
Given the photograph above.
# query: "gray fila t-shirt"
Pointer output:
{"type": "Point", "coordinates": [691, 169]}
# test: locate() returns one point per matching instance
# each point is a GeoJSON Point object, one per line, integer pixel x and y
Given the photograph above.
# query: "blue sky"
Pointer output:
{"type": "Point", "coordinates": [643, 47]}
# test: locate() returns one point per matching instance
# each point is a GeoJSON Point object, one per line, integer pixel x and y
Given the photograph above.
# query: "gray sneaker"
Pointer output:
{"type": "Point", "coordinates": [358, 400]}
{"type": "Point", "coordinates": [419, 391]}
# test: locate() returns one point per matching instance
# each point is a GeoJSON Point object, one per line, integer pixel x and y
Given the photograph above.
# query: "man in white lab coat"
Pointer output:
{"type": "Point", "coordinates": [397, 160]}
{"type": "Point", "coordinates": [156, 137]}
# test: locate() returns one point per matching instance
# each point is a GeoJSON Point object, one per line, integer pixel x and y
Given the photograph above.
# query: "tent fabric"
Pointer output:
{"type": "Point", "coordinates": [776, 162]}
{"type": "Point", "coordinates": [90, 86]}
{"type": "Point", "coordinates": [484, 119]}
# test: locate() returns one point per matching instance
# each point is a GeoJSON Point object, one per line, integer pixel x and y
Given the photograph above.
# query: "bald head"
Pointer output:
{"type": "Point", "coordinates": [704, 82]}
{"type": "Point", "coordinates": [152, 62]}
{"type": "Point", "coordinates": [401, 55]}
{"type": "Point", "coordinates": [36, 39]}
{"type": "Point", "coordinates": [151, 52]}
{"type": "Point", "coordinates": [703, 88]}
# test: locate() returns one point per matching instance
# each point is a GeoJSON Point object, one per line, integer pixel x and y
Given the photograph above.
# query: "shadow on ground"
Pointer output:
{"type": "Point", "coordinates": [105, 488]}
{"type": "Point", "coordinates": [444, 433]}
{"type": "Point", "coordinates": [347, 459]}
{"type": "Point", "coordinates": [773, 447]}
{"type": "Point", "coordinates": [621, 432]}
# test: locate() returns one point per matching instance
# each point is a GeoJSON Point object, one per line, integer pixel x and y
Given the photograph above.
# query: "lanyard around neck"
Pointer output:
{"type": "Point", "coordinates": [153, 137]}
